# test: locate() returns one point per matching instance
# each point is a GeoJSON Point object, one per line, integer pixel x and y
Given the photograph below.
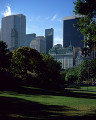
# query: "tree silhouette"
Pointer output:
{"type": "Point", "coordinates": [87, 24]}
{"type": "Point", "coordinates": [4, 55]}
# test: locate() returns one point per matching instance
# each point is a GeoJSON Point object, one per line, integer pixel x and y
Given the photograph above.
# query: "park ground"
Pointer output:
{"type": "Point", "coordinates": [30, 103]}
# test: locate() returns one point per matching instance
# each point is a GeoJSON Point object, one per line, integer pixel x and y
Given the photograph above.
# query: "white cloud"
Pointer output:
{"type": "Point", "coordinates": [8, 11]}
{"type": "Point", "coordinates": [39, 19]}
{"type": "Point", "coordinates": [59, 20]}
{"type": "Point", "coordinates": [54, 17]}
{"type": "Point", "coordinates": [47, 18]}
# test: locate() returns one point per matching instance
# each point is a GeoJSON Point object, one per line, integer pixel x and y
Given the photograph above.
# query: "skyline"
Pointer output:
{"type": "Point", "coordinates": [40, 15]}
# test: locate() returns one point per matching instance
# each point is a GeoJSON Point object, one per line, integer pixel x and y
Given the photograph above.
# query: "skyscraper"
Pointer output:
{"type": "Point", "coordinates": [49, 34]}
{"type": "Point", "coordinates": [70, 33]}
{"type": "Point", "coordinates": [13, 31]}
{"type": "Point", "coordinates": [29, 38]}
{"type": "Point", "coordinates": [39, 44]}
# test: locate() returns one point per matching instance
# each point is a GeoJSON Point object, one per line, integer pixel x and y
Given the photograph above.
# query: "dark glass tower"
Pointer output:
{"type": "Point", "coordinates": [70, 33]}
{"type": "Point", "coordinates": [49, 33]}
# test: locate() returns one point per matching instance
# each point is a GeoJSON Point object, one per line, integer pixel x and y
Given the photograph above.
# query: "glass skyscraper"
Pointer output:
{"type": "Point", "coordinates": [29, 38]}
{"type": "Point", "coordinates": [70, 33]}
{"type": "Point", "coordinates": [13, 31]}
{"type": "Point", "coordinates": [49, 35]}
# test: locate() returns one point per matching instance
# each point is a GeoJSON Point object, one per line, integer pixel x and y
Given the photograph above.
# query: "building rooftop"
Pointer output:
{"type": "Point", "coordinates": [14, 15]}
{"type": "Point", "coordinates": [61, 50]}
{"type": "Point", "coordinates": [72, 17]}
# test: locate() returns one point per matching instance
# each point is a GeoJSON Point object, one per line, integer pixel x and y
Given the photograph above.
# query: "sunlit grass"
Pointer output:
{"type": "Point", "coordinates": [89, 88]}
{"type": "Point", "coordinates": [74, 106]}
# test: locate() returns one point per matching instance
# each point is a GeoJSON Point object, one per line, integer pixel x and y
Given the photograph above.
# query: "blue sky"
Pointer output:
{"type": "Point", "coordinates": [40, 14]}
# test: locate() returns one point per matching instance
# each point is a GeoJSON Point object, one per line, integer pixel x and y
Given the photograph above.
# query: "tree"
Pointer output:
{"type": "Point", "coordinates": [24, 59]}
{"type": "Point", "coordinates": [87, 24]}
{"type": "Point", "coordinates": [71, 75]}
{"type": "Point", "coordinates": [87, 70]}
{"type": "Point", "coordinates": [4, 55]}
{"type": "Point", "coordinates": [52, 70]}
{"type": "Point", "coordinates": [85, 7]}
{"type": "Point", "coordinates": [62, 75]}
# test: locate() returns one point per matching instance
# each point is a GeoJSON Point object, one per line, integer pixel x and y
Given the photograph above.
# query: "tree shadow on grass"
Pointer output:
{"type": "Point", "coordinates": [20, 109]}
{"type": "Point", "coordinates": [67, 93]}
{"type": "Point", "coordinates": [14, 84]}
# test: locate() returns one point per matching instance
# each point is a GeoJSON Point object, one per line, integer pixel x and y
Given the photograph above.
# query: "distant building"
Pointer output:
{"type": "Point", "coordinates": [76, 50]}
{"type": "Point", "coordinates": [49, 35]}
{"type": "Point", "coordinates": [29, 38]}
{"type": "Point", "coordinates": [13, 31]}
{"type": "Point", "coordinates": [63, 55]}
{"type": "Point", "coordinates": [39, 44]}
{"type": "Point", "coordinates": [58, 46]}
{"type": "Point", "coordinates": [70, 33]}
{"type": "Point", "coordinates": [79, 59]}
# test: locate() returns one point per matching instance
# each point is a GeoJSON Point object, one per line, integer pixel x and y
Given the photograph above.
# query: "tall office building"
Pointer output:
{"type": "Point", "coordinates": [39, 44]}
{"type": "Point", "coordinates": [49, 35]}
{"type": "Point", "coordinates": [29, 38]}
{"type": "Point", "coordinates": [70, 33]}
{"type": "Point", "coordinates": [13, 31]}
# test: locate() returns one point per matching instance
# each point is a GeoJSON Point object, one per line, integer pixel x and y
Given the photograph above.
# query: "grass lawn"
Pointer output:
{"type": "Point", "coordinates": [35, 103]}
{"type": "Point", "coordinates": [89, 88]}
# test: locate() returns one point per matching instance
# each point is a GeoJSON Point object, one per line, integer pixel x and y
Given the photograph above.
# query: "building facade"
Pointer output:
{"type": "Point", "coordinates": [79, 59]}
{"type": "Point", "coordinates": [63, 55]}
{"type": "Point", "coordinates": [70, 33]}
{"type": "Point", "coordinates": [13, 31]}
{"type": "Point", "coordinates": [29, 38]}
{"type": "Point", "coordinates": [49, 36]}
{"type": "Point", "coordinates": [76, 51]}
{"type": "Point", "coordinates": [39, 44]}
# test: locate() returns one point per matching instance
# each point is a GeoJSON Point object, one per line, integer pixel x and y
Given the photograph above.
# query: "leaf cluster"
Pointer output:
{"type": "Point", "coordinates": [87, 69]}
{"type": "Point", "coordinates": [52, 68]}
{"type": "Point", "coordinates": [4, 55]}
{"type": "Point", "coordinates": [85, 7]}
{"type": "Point", "coordinates": [87, 24]}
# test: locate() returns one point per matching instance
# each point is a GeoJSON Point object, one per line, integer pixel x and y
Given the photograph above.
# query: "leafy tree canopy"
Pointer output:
{"type": "Point", "coordinates": [24, 59]}
{"type": "Point", "coordinates": [71, 75]}
{"type": "Point", "coordinates": [87, 24]}
{"type": "Point", "coordinates": [87, 70]}
{"type": "Point", "coordinates": [4, 55]}
{"type": "Point", "coordinates": [52, 68]}
{"type": "Point", "coordinates": [85, 7]}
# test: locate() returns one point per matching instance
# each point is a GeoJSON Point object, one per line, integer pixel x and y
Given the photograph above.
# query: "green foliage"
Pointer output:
{"type": "Point", "coordinates": [63, 74]}
{"type": "Point", "coordinates": [71, 75]}
{"type": "Point", "coordinates": [85, 7]}
{"type": "Point", "coordinates": [84, 72]}
{"type": "Point", "coordinates": [27, 60]}
{"type": "Point", "coordinates": [87, 70]}
{"type": "Point", "coordinates": [87, 24]}
{"type": "Point", "coordinates": [24, 59]}
{"type": "Point", "coordinates": [4, 55]}
{"type": "Point", "coordinates": [52, 69]}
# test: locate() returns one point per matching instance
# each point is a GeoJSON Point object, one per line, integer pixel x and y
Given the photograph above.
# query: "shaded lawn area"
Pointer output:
{"type": "Point", "coordinates": [93, 88]}
{"type": "Point", "coordinates": [31, 103]}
